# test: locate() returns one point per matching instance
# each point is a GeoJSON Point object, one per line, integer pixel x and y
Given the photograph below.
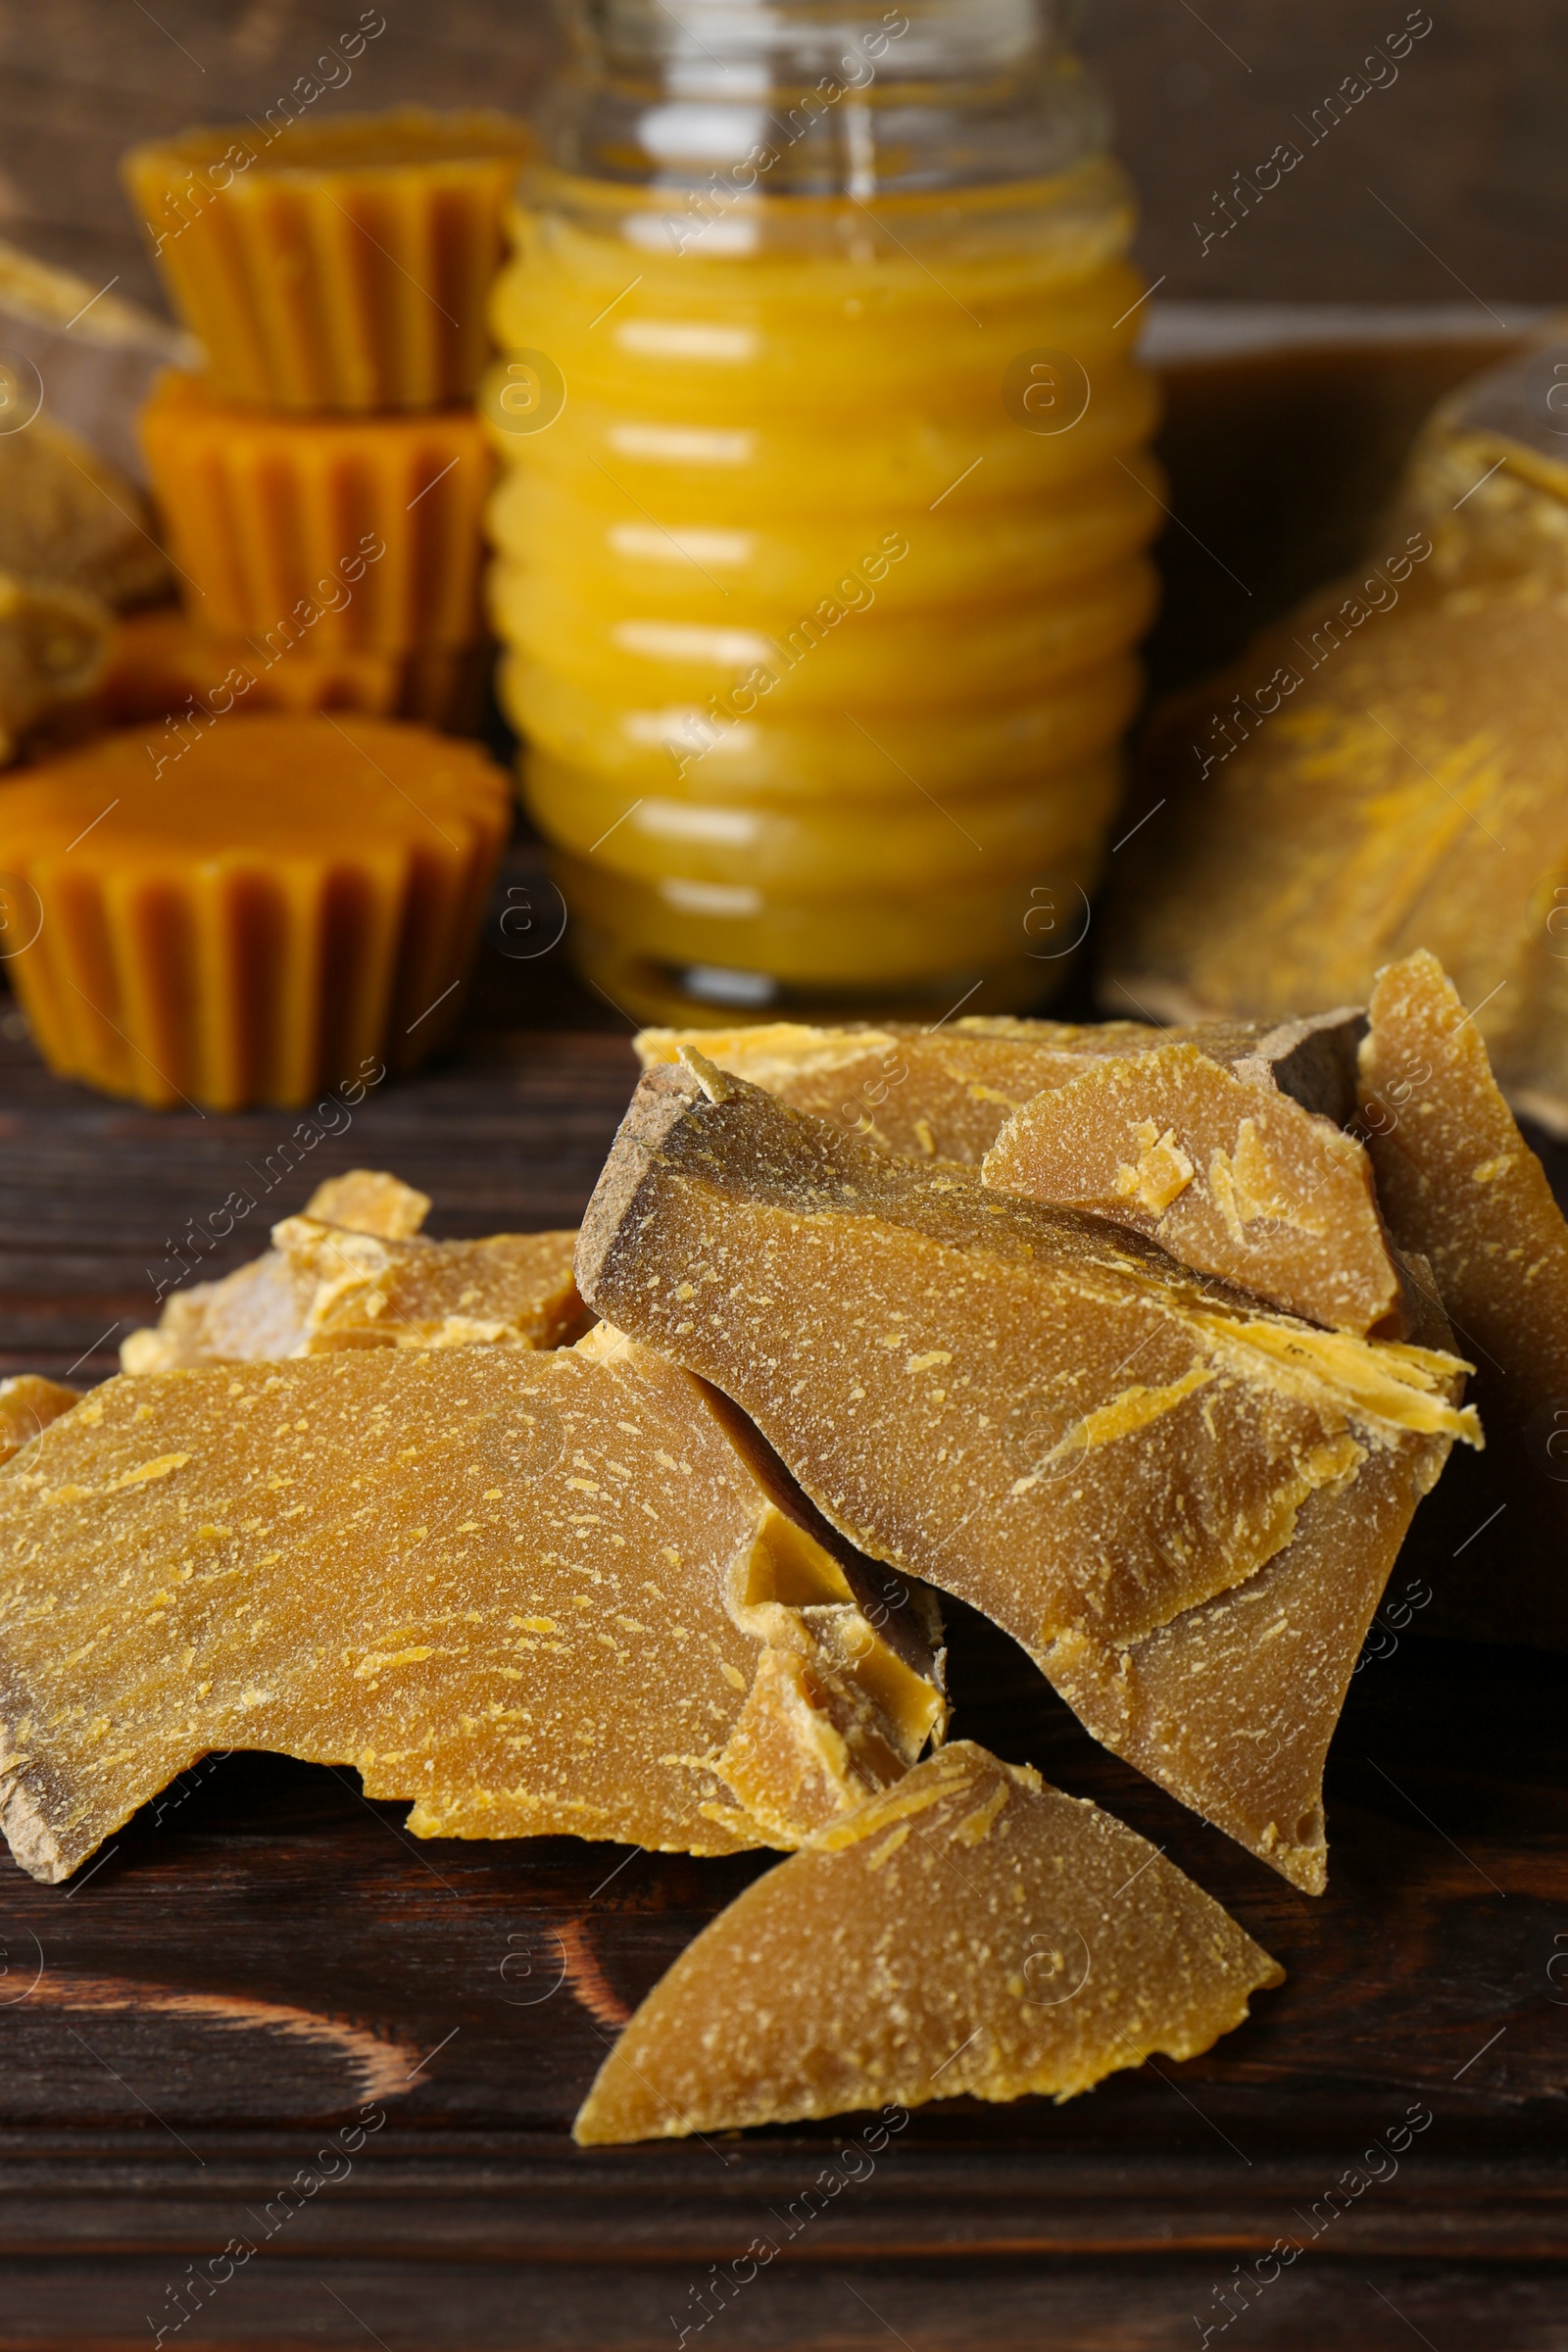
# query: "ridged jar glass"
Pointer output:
{"type": "Point", "coordinates": [821, 533]}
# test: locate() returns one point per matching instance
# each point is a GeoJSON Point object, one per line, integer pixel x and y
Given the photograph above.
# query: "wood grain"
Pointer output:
{"type": "Point", "coordinates": [1464, 151]}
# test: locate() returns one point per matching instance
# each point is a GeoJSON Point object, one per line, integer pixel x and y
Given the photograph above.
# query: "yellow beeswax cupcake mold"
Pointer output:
{"type": "Point", "coordinates": [277, 905]}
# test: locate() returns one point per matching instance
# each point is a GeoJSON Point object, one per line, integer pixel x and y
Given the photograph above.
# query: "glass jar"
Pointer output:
{"type": "Point", "coordinates": [821, 533]}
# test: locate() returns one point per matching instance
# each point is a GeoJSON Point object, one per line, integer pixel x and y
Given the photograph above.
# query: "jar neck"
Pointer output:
{"type": "Point", "coordinates": [912, 94]}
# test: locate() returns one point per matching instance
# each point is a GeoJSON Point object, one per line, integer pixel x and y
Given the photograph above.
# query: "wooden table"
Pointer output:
{"type": "Point", "coordinates": [267, 2018]}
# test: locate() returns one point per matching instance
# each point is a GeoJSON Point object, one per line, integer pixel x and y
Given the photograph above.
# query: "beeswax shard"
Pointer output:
{"type": "Point", "coordinates": [970, 1932]}
{"type": "Point", "coordinates": [370, 1201]}
{"type": "Point", "coordinates": [1035, 1410]}
{"type": "Point", "coordinates": [1459, 1182]}
{"type": "Point", "coordinates": [29, 1405]}
{"type": "Point", "coordinates": [563, 1593]}
{"type": "Point", "coordinates": [373, 1285]}
{"type": "Point", "coordinates": [321, 1288]}
{"type": "Point", "coordinates": [1229, 1175]}
{"type": "Point", "coordinates": [1232, 1706]}
{"type": "Point", "coordinates": [947, 1092]}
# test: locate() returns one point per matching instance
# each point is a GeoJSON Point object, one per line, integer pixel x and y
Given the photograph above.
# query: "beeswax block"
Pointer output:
{"type": "Point", "coordinates": [1030, 1408]}
{"type": "Point", "coordinates": [279, 905]}
{"type": "Point", "coordinates": [533, 1593]}
{"type": "Point", "coordinates": [1229, 1175]}
{"type": "Point", "coordinates": [947, 1092]}
{"type": "Point", "coordinates": [1383, 770]}
{"type": "Point", "coordinates": [1459, 1183]}
{"type": "Point", "coordinates": [972, 1931]}
{"type": "Point", "coordinates": [334, 263]}
{"type": "Point", "coordinates": [336, 534]}
{"type": "Point", "coordinates": [27, 1404]}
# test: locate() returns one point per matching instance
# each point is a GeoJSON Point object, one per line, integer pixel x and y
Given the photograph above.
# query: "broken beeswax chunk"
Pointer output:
{"type": "Point", "coordinates": [947, 1092]}
{"type": "Point", "coordinates": [351, 534]}
{"type": "Point", "coordinates": [254, 1315]}
{"type": "Point", "coordinates": [1033, 1408]}
{"type": "Point", "coordinates": [27, 1404]}
{"type": "Point", "coordinates": [1459, 1183]}
{"type": "Point", "coordinates": [335, 264]}
{"type": "Point", "coordinates": [52, 644]}
{"type": "Point", "coordinates": [326, 1285]}
{"type": "Point", "coordinates": [1229, 1175]}
{"type": "Point", "coordinates": [970, 1932]}
{"type": "Point", "coordinates": [1030, 1408]}
{"type": "Point", "coordinates": [258, 1312]}
{"type": "Point", "coordinates": [511, 1290]}
{"type": "Point", "coordinates": [1232, 1705]}
{"type": "Point", "coordinates": [68, 516]}
{"type": "Point", "coordinates": [370, 1201]}
{"type": "Point", "coordinates": [531, 1592]}
{"type": "Point", "coordinates": [269, 907]}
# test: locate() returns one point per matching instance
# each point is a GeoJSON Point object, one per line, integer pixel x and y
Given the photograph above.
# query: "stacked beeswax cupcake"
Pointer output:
{"type": "Point", "coordinates": [263, 903]}
{"type": "Point", "coordinates": [322, 484]}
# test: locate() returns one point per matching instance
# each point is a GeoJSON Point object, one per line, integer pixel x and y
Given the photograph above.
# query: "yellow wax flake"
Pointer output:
{"type": "Point", "coordinates": [27, 1404]}
{"type": "Point", "coordinates": [327, 1283]}
{"type": "Point", "coordinates": [1037, 1955]}
{"type": "Point", "coordinates": [1224, 1169]}
{"type": "Point", "coordinates": [328, 1634]}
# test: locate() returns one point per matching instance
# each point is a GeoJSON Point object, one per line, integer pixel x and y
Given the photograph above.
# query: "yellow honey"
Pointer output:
{"type": "Point", "coordinates": [820, 626]}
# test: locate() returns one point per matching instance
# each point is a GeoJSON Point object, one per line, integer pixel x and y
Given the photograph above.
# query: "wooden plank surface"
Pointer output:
{"type": "Point", "coordinates": [263, 1957]}
{"type": "Point", "coordinates": [1445, 183]}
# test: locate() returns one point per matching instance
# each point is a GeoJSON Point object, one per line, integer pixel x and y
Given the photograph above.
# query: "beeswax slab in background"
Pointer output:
{"type": "Point", "coordinates": [68, 517]}
{"type": "Point", "coordinates": [53, 641]}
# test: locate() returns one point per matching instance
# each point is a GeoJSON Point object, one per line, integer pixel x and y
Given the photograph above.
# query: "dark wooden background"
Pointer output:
{"type": "Point", "coordinates": [1465, 149]}
{"type": "Point", "coordinates": [185, 2028]}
